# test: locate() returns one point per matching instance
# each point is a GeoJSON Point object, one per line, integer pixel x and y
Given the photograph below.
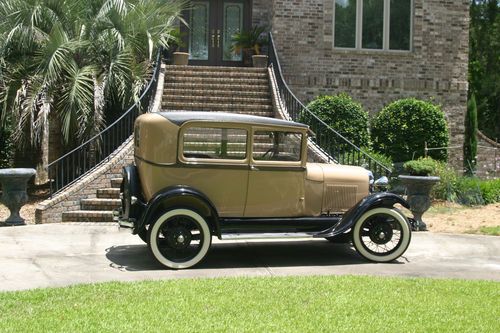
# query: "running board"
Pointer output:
{"type": "Point", "coordinates": [273, 235]}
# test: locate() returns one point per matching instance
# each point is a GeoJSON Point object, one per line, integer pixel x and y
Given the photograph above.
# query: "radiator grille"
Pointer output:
{"type": "Point", "coordinates": [339, 198]}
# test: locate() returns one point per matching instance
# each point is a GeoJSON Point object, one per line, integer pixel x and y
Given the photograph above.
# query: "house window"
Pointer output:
{"type": "Point", "coordinates": [373, 24]}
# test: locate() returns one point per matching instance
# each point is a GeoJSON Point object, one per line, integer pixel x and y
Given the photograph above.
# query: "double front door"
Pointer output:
{"type": "Point", "coordinates": [211, 26]}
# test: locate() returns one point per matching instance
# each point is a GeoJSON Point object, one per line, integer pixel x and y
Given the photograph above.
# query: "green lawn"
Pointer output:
{"type": "Point", "coordinates": [291, 304]}
{"type": "Point", "coordinates": [493, 231]}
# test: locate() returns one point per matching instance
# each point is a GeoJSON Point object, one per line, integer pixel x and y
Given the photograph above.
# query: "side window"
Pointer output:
{"type": "Point", "coordinates": [215, 143]}
{"type": "Point", "coordinates": [277, 146]}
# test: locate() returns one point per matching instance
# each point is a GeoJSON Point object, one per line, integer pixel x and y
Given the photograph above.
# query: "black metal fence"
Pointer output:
{"type": "Point", "coordinates": [83, 159]}
{"type": "Point", "coordinates": [331, 142]}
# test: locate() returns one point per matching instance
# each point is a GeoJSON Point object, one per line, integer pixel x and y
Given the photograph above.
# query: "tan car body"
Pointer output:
{"type": "Point", "coordinates": [244, 187]}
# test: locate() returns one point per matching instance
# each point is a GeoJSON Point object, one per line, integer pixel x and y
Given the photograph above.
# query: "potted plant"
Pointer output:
{"type": "Point", "coordinates": [250, 43]}
{"type": "Point", "coordinates": [419, 184]}
{"type": "Point", "coordinates": [176, 44]}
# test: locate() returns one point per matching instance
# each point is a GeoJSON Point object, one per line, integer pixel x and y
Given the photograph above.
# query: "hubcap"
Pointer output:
{"type": "Point", "coordinates": [381, 232]}
{"type": "Point", "coordinates": [178, 237]}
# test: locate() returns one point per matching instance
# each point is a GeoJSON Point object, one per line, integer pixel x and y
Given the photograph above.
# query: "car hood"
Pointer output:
{"type": "Point", "coordinates": [337, 174]}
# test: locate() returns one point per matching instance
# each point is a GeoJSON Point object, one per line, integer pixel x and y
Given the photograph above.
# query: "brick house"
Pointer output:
{"type": "Point", "coordinates": [375, 50]}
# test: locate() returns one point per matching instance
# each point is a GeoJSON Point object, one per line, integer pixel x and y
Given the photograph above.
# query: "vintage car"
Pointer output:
{"type": "Point", "coordinates": [204, 174]}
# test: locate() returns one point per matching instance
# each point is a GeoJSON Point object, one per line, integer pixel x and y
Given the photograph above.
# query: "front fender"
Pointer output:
{"type": "Point", "coordinates": [176, 196]}
{"type": "Point", "coordinates": [383, 199]}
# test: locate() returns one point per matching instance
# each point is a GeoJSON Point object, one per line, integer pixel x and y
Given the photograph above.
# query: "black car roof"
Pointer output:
{"type": "Point", "coordinates": [180, 117]}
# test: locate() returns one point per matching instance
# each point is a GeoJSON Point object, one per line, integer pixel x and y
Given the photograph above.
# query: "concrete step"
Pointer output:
{"type": "Point", "coordinates": [209, 87]}
{"type": "Point", "coordinates": [172, 68]}
{"type": "Point", "coordinates": [100, 204]}
{"type": "Point", "coordinates": [216, 93]}
{"type": "Point", "coordinates": [212, 80]}
{"type": "Point", "coordinates": [87, 216]}
{"type": "Point", "coordinates": [108, 193]}
{"type": "Point", "coordinates": [116, 182]}
{"type": "Point", "coordinates": [216, 99]}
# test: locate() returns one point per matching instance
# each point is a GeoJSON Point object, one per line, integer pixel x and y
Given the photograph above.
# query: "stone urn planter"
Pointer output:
{"type": "Point", "coordinates": [181, 58]}
{"type": "Point", "coordinates": [259, 60]}
{"type": "Point", "coordinates": [418, 190]}
{"type": "Point", "coordinates": [14, 196]}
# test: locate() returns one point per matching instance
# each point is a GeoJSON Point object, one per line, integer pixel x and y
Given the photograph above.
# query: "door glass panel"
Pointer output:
{"type": "Point", "coordinates": [277, 146]}
{"type": "Point", "coordinates": [215, 143]}
{"type": "Point", "coordinates": [198, 33]}
{"type": "Point", "coordinates": [233, 23]}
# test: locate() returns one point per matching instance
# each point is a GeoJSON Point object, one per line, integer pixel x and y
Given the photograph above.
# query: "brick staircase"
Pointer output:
{"type": "Point", "coordinates": [190, 88]}
{"type": "Point", "coordinates": [221, 89]}
{"type": "Point", "coordinates": [99, 209]}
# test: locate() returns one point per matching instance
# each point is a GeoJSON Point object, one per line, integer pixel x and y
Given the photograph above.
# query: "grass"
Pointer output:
{"type": "Point", "coordinates": [290, 304]}
{"type": "Point", "coordinates": [492, 231]}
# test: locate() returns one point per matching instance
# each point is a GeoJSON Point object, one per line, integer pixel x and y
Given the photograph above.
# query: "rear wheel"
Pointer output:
{"type": "Point", "coordinates": [381, 234]}
{"type": "Point", "coordinates": [179, 238]}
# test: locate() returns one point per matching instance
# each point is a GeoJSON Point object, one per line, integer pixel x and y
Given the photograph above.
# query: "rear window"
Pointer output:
{"type": "Point", "coordinates": [214, 143]}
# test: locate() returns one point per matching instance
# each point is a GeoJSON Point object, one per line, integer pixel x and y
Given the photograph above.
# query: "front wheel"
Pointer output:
{"type": "Point", "coordinates": [179, 238]}
{"type": "Point", "coordinates": [381, 234]}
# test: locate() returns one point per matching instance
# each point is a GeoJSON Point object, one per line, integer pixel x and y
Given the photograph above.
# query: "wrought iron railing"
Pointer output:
{"type": "Point", "coordinates": [80, 161]}
{"type": "Point", "coordinates": [333, 144]}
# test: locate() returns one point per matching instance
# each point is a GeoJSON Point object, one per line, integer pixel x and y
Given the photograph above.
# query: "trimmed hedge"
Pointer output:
{"type": "Point", "coordinates": [344, 115]}
{"type": "Point", "coordinates": [403, 127]}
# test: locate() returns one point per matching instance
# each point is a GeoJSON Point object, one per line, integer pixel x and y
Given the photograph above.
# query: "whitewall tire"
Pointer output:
{"type": "Point", "coordinates": [179, 238]}
{"type": "Point", "coordinates": [381, 234]}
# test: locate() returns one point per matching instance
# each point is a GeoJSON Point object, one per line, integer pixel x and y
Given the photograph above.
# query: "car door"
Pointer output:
{"type": "Point", "coordinates": [277, 173]}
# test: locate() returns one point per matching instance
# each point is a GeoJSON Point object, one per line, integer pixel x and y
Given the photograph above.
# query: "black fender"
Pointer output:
{"type": "Point", "coordinates": [376, 200]}
{"type": "Point", "coordinates": [180, 196]}
{"type": "Point", "coordinates": [131, 186]}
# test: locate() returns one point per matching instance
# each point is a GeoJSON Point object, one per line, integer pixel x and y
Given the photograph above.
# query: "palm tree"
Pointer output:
{"type": "Point", "coordinates": [68, 60]}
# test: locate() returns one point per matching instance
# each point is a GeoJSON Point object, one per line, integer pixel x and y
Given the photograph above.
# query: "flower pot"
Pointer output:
{"type": "Point", "coordinates": [14, 194]}
{"type": "Point", "coordinates": [418, 191]}
{"type": "Point", "coordinates": [259, 60]}
{"type": "Point", "coordinates": [181, 58]}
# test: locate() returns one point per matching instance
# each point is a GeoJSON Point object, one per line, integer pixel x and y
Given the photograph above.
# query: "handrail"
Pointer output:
{"type": "Point", "coordinates": [68, 168]}
{"type": "Point", "coordinates": [328, 139]}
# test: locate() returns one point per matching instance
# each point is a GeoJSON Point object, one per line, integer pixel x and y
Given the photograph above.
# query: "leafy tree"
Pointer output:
{"type": "Point", "coordinates": [470, 140]}
{"type": "Point", "coordinates": [403, 127]}
{"type": "Point", "coordinates": [484, 63]}
{"type": "Point", "coordinates": [71, 59]}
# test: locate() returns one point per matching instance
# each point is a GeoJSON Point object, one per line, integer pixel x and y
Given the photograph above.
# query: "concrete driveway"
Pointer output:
{"type": "Point", "coordinates": [58, 255]}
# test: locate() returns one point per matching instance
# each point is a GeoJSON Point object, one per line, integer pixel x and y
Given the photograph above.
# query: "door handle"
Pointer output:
{"type": "Point", "coordinates": [213, 38]}
{"type": "Point", "coordinates": [254, 168]}
{"type": "Point", "coordinates": [218, 38]}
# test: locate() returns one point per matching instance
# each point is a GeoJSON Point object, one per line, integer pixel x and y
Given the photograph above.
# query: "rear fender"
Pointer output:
{"type": "Point", "coordinates": [383, 199]}
{"type": "Point", "coordinates": [180, 196]}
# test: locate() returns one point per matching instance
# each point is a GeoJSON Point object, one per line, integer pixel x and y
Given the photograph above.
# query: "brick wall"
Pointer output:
{"type": "Point", "coordinates": [436, 67]}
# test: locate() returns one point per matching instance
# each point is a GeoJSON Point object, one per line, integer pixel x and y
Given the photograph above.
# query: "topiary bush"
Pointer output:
{"type": "Point", "coordinates": [344, 115]}
{"type": "Point", "coordinates": [421, 167]}
{"type": "Point", "coordinates": [403, 127]}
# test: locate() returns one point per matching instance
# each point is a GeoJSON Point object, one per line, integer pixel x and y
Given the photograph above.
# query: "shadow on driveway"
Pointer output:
{"type": "Point", "coordinates": [246, 255]}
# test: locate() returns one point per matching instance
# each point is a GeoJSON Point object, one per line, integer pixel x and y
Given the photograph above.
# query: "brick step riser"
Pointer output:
{"type": "Point", "coordinates": [215, 93]}
{"type": "Point", "coordinates": [209, 87]}
{"type": "Point", "coordinates": [225, 100]}
{"type": "Point", "coordinates": [219, 106]}
{"type": "Point", "coordinates": [214, 80]}
{"type": "Point", "coordinates": [90, 217]}
{"type": "Point", "coordinates": [116, 182]}
{"type": "Point", "coordinates": [101, 207]}
{"type": "Point", "coordinates": [108, 193]}
{"type": "Point", "coordinates": [248, 112]}
{"type": "Point", "coordinates": [219, 75]}
{"type": "Point", "coordinates": [170, 68]}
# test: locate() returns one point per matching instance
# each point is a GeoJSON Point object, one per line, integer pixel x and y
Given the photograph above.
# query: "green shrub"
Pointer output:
{"type": "Point", "coordinates": [490, 190]}
{"type": "Point", "coordinates": [421, 167]}
{"type": "Point", "coordinates": [403, 127]}
{"type": "Point", "coordinates": [344, 115]}
{"type": "Point", "coordinates": [447, 187]}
